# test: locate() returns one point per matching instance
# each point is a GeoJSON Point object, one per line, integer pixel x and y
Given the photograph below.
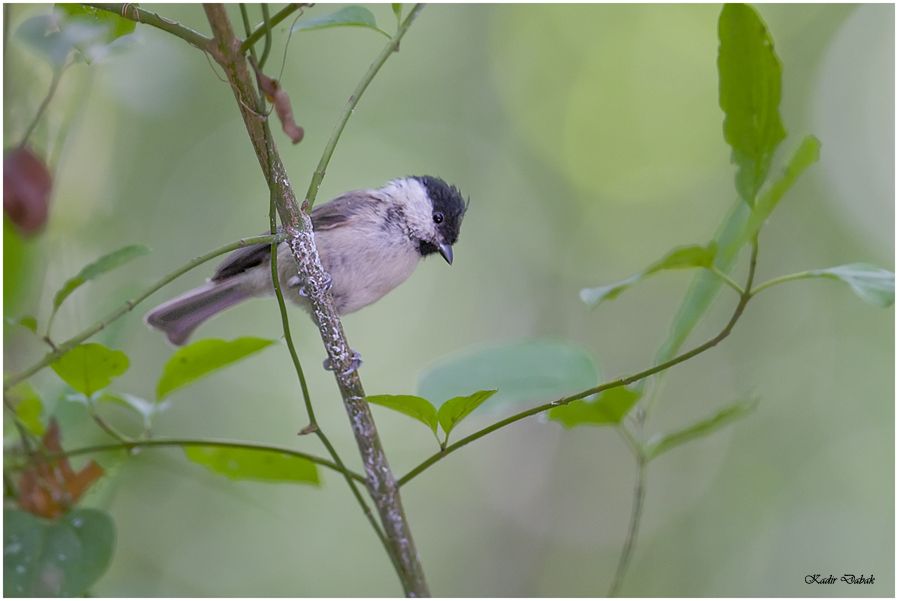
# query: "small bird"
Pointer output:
{"type": "Point", "coordinates": [370, 241]}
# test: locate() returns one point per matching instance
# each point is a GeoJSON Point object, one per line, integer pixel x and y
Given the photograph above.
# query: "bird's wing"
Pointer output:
{"type": "Point", "coordinates": [335, 213]}
{"type": "Point", "coordinates": [240, 260]}
{"type": "Point", "coordinates": [327, 216]}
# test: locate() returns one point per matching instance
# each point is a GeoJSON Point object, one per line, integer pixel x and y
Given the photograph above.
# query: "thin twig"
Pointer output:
{"type": "Point", "coordinates": [391, 47]}
{"type": "Point", "coordinates": [54, 83]}
{"type": "Point", "coordinates": [198, 442]}
{"type": "Point", "coordinates": [266, 50]}
{"type": "Point", "coordinates": [74, 341]}
{"type": "Point", "coordinates": [141, 15]}
{"type": "Point", "coordinates": [737, 313]}
{"type": "Point", "coordinates": [265, 28]}
{"type": "Point", "coordinates": [632, 530]}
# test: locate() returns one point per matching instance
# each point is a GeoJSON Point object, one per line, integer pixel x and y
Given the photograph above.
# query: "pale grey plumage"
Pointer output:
{"type": "Point", "coordinates": [370, 241]}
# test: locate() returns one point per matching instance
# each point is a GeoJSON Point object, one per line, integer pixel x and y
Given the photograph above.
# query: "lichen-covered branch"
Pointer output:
{"type": "Point", "coordinates": [380, 480]}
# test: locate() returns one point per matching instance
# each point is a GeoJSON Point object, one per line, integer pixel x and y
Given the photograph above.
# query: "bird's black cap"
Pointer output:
{"type": "Point", "coordinates": [447, 200]}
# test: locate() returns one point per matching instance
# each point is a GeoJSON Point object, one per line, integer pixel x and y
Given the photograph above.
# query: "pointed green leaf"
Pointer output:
{"type": "Point", "coordinates": [456, 409]}
{"type": "Point", "coordinates": [750, 80]}
{"type": "Point", "coordinates": [610, 408]}
{"type": "Point", "coordinates": [397, 10]}
{"type": "Point", "coordinates": [62, 558]}
{"type": "Point", "coordinates": [412, 406]}
{"type": "Point", "coordinates": [684, 257]}
{"type": "Point", "coordinates": [196, 360]}
{"type": "Point", "coordinates": [523, 372]}
{"type": "Point", "coordinates": [90, 367]}
{"type": "Point", "coordinates": [594, 296]}
{"type": "Point", "coordinates": [661, 443]}
{"type": "Point", "coordinates": [250, 464]}
{"type": "Point", "coordinates": [807, 154]}
{"type": "Point", "coordinates": [704, 287]}
{"type": "Point", "coordinates": [872, 284]}
{"type": "Point", "coordinates": [97, 268]}
{"type": "Point", "coordinates": [348, 16]}
{"type": "Point", "coordinates": [28, 406]}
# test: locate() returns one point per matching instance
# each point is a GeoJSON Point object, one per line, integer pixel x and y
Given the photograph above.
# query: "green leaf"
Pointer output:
{"type": "Point", "coordinates": [28, 322]}
{"type": "Point", "coordinates": [397, 11]}
{"type": "Point", "coordinates": [90, 367]}
{"type": "Point", "coordinates": [661, 443]}
{"type": "Point", "coordinates": [610, 408]}
{"type": "Point", "coordinates": [750, 81]}
{"type": "Point", "coordinates": [349, 16]}
{"type": "Point", "coordinates": [250, 464]}
{"type": "Point", "coordinates": [28, 407]}
{"type": "Point", "coordinates": [412, 406]}
{"type": "Point", "coordinates": [202, 357]}
{"type": "Point", "coordinates": [532, 370]}
{"type": "Point", "coordinates": [872, 284]}
{"type": "Point", "coordinates": [97, 268]}
{"type": "Point", "coordinates": [684, 257]}
{"type": "Point", "coordinates": [114, 25]}
{"type": "Point", "coordinates": [458, 408]}
{"type": "Point", "coordinates": [63, 558]}
{"type": "Point", "coordinates": [705, 285]}
{"type": "Point", "coordinates": [807, 154]}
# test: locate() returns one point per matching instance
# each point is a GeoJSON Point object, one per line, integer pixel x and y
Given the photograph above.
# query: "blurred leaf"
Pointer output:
{"type": "Point", "coordinates": [27, 185]}
{"type": "Point", "coordinates": [250, 464]}
{"type": "Point", "coordinates": [28, 406]}
{"type": "Point", "coordinates": [90, 367]}
{"type": "Point", "coordinates": [534, 370]}
{"type": "Point", "coordinates": [610, 408]}
{"type": "Point", "coordinates": [348, 16]}
{"type": "Point", "coordinates": [807, 154]}
{"type": "Point", "coordinates": [872, 284]}
{"type": "Point", "coordinates": [750, 81]}
{"type": "Point", "coordinates": [684, 257]}
{"type": "Point", "coordinates": [16, 259]}
{"type": "Point", "coordinates": [704, 286]}
{"type": "Point", "coordinates": [412, 406]}
{"type": "Point", "coordinates": [97, 268]}
{"type": "Point", "coordinates": [397, 10]}
{"type": "Point", "coordinates": [456, 409]}
{"type": "Point", "coordinates": [661, 443]}
{"type": "Point", "coordinates": [202, 357]}
{"type": "Point", "coordinates": [54, 36]}
{"type": "Point", "coordinates": [29, 322]}
{"type": "Point", "coordinates": [114, 25]}
{"type": "Point", "coordinates": [594, 296]}
{"type": "Point", "coordinates": [63, 558]}
{"type": "Point", "coordinates": [146, 409]}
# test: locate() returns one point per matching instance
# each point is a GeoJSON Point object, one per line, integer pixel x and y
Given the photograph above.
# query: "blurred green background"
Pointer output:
{"type": "Point", "coordinates": [589, 140]}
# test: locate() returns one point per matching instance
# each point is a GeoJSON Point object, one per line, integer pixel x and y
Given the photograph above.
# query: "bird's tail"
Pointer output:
{"type": "Point", "coordinates": [179, 317]}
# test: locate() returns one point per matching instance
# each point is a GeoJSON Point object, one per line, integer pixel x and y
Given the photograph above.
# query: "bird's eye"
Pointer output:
{"type": "Point", "coordinates": [438, 217]}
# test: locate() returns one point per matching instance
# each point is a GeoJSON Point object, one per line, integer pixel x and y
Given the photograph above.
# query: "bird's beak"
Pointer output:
{"type": "Point", "coordinates": [446, 251]}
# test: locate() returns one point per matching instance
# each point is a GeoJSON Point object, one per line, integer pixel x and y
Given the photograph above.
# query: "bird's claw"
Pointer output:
{"type": "Point", "coordinates": [354, 364]}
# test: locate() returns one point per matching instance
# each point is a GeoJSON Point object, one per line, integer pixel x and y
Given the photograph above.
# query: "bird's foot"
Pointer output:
{"type": "Point", "coordinates": [354, 364]}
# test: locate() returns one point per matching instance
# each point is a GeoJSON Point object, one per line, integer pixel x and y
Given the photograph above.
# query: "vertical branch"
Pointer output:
{"type": "Point", "coordinates": [379, 478]}
{"type": "Point", "coordinates": [635, 518]}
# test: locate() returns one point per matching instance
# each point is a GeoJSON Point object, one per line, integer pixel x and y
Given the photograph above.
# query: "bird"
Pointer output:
{"type": "Point", "coordinates": [369, 241]}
